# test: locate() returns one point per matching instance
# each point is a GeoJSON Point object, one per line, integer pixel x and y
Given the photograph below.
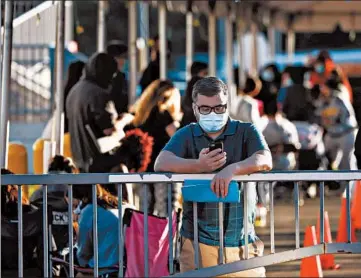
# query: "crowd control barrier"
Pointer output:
{"type": "Point", "coordinates": [145, 179]}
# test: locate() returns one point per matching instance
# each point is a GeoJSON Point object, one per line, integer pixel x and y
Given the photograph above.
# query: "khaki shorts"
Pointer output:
{"type": "Point", "coordinates": [208, 256]}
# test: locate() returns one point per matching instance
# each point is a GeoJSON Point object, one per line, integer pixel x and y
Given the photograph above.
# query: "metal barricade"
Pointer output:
{"type": "Point", "coordinates": [146, 179]}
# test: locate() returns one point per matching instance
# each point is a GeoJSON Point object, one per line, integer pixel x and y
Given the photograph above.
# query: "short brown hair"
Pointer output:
{"type": "Point", "coordinates": [209, 87]}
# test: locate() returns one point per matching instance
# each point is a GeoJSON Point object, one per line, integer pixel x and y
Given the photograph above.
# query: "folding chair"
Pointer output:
{"type": "Point", "coordinates": [158, 243]}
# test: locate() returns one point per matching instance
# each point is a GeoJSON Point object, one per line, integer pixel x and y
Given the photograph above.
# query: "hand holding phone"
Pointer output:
{"type": "Point", "coordinates": [212, 158]}
{"type": "Point", "coordinates": [215, 145]}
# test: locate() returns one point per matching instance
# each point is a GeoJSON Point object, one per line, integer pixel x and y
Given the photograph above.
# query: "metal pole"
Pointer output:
{"type": "Point", "coordinates": [189, 42]}
{"type": "Point", "coordinates": [101, 25]}
{"type": "Point", "coordinates": [212, 51]}
{"type": "Point", "coordinates": [143, 10]}
{"type": "Point", "coordinates": [132, 52]}
{"type": "Point", "coordinates": [271, 33]}
{"type": "Point", "coordinates": [290, 45]}
{"type": "Point", "coordinates": [229, 49]}
{"type": "Point", "coordinates": [254, 33]}
{"type": "Point", "coordinates": [241, 66]}
{"type": "Point", "coordinates": [59, 113]}
{"type": "Point", "coordinates": [69, 24]}
{"type": "Point", "coordinates": [1, 41]}
{"type": "Point", "coordinates": [6, 78]}
{"type": "Point", "coordinates": [162, 21]}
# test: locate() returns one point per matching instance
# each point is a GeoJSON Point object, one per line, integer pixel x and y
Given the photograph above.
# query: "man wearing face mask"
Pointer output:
{"type": "Point", "coordinates": [324, 66]}
{"type": "Point", "coordinates": [244, 152]}
{"type": "Point", "coordinates": [271, 82]}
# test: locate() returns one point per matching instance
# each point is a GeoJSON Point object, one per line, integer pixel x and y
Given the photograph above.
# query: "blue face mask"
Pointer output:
{"type": "Point", "coordinates": [320, 68]}
{"type": "Point", "coordinates": [268, 76]}
{"type": "Point", "coordinates": [213, 122]}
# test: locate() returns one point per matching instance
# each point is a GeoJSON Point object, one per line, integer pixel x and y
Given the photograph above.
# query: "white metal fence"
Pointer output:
{"type": "Point", "coordinates": [146, 179]}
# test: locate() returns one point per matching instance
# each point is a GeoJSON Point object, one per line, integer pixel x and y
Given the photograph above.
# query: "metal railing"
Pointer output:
{"type": "Point", "coordinates": [146, 179]}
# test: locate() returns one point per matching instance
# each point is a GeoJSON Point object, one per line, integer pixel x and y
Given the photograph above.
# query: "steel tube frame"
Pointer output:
{"type": "Point", "coordinates": [229, 55]}
{"type": "Point", "coordinates": [162, 21]}
{"type": "Point", "coordinates": [212, 44]}
{"type": "Point", "coordinates": [59, 88]}
{"type": "Point", "coordinates": [132, 52]}
{"type": "Point", "coordinates": [189, 43]}
{"type": "Point", "coordinates": [271, 33]}
{"type": "Point", "coordinates": [101, 40]}
{"type": "Point", "coordinates": [254, 40]}
{"type": "Point", "coordinates": [291, 44]}
{"type": "Point", "coordinates": [143, 10]}
{"type": "Point", "coordinates": [241, 67]}
{"type": "Point", "coordinates": [6, 78]}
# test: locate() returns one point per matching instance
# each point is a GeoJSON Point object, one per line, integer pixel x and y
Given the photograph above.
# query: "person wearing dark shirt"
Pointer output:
{"type": "Point", "coordinates": [151, 73]}
{"type": "Point", "coordinates": [295, 97]}
{"type": "Point", "coordinates": [87, 106]}
{"type": "Point", "coordinates": [187, 108]}
{"type": "Point", "coordinates": [75, 72]}
{"type": "Point", "coordinates": [119, 91]}
{"type": "Point", "coordinates": [199, 70]}
{"type": "Point", "coordinates": [271, 83]}
{"type": "Point", "coordinates": [157, 112]}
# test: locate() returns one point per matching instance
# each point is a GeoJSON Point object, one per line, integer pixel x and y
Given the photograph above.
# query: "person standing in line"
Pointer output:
{"type": "Point", "coordinates": [152, 72]}
{"type": "Point", "coordinates": [199, 70]}
{"type": "Point", "coordinates": [119, 91]}
{"type": "Point", "coordinates": [245, 152]}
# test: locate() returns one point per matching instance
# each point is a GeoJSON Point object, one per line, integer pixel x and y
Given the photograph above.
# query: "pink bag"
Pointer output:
{"type": "Point", "coordinates": [158, 244]}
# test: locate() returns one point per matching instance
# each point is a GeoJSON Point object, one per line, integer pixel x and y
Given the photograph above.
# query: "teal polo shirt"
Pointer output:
{"type": "Point", "coordinates": [240, 140]}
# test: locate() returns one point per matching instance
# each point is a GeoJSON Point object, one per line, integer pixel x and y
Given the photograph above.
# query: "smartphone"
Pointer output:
{"type": "Point", "coordinates": [215, 145]}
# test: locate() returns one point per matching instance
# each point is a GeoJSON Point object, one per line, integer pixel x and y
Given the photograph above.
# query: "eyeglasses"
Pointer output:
{"type": "Point", "coordinates": [205, 110]}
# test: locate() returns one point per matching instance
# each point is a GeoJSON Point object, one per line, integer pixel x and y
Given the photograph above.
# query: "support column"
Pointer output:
{"type": "Point", "coordinates": [254, 40]}
{"type": "Point", "coordinates": [212, 43]}
{"type": "Point", "coordinates": [241, 66]}
{"type": "Point", "coordinates": [143, 31]}
{"type": "Point", "coordinates": [59, 88]}
{"type": "Point", "coordinates": [163, 43]}
{"type": "Point", "coordinates": [291, 44]}
{"type": "Point", "coordinates": [101, 42]}
{"type": "Point", "coordinates": [132, 50]}
{"type": "Point", "coordinates": [69, 24]}
{"type": "Point", "coordinates": [6, 79]}
{"type": "Point", "coordinates": [189, 40]}
{"type": "Point", "coordinates": [271, 33]}
{"type": "Point", "coordinates": [229, 48]}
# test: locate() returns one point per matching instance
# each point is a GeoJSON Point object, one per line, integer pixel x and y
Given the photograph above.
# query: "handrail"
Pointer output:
{"type": "Point", "coordinates": [169, 177]}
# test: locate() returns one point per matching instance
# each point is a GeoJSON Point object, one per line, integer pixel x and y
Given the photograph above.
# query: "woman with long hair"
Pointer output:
{"type": "Point", "coordinates": [75, 71]}
{"type": "Point", "coordinates": [158, 112]}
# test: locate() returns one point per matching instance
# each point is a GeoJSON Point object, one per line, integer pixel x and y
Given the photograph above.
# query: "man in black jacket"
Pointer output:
{"type": "Point", "coordinates": [88, 109]}
{"type": "Point", "coordinates": [119, 92]}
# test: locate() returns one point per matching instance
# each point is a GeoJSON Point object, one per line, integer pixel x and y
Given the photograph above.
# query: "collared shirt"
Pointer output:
{"type": "Point", "coordinates": [241, 140]}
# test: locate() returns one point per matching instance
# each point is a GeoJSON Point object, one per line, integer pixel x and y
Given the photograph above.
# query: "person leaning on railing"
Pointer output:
{"type": "Point", "coordinates": [245, 152]}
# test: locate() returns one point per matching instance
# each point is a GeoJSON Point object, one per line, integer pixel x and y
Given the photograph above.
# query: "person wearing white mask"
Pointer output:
{"type": "Point", "coordinates": [244, 151]}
